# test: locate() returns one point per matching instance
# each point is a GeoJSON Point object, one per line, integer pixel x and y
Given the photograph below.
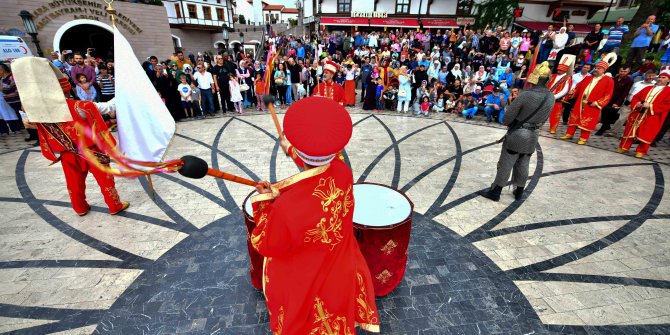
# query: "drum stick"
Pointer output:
{"type": "Point", "coordinates": [196, 168]}
{"type": "Point", "coordinates": [269, 100]}
{"type": "Point", "coordinates": [230, 177]}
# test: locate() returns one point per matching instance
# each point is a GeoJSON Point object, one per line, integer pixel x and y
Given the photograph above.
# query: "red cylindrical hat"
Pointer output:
{"type": "Point", "coordinates": [563, 67]}
{"type": "Point", "coordinates": [603, 64]}
{"type": "Point", "coordinates": [317, 127]}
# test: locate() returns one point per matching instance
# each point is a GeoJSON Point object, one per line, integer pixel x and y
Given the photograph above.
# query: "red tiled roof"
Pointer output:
{"type": "Point", "coordinates": [290, 10]}
{"type": "Point", "coordinates": [273, 7]}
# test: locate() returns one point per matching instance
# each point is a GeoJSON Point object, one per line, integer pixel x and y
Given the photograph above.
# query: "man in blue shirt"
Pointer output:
{"type": "Point", "coordinates": [300, 53]}
{"type": "Point", "coordinates": [638, 48]}
{"type": "Point", "coordinates": [366, 71]}
{"type": "Point", "coordinates": [615, 35]}
{"type": "Point", "coordinates": [494, 105]}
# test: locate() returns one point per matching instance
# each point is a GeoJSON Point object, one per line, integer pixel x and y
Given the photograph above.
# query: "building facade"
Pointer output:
{"type": "Point", "coordinates": [80, 24]}
{"type": "Point", "coordinates": [197, 25]}
{"type": "Point", "coordinates": [389, 14]}
{"type": "Point", "coordinates": [538, 14]}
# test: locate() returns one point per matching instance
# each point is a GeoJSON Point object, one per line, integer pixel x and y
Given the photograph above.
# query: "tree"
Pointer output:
{"type": "Point", "coordinates": [242, 19]}
{"type": "Point", "coordinates": [495, 12]}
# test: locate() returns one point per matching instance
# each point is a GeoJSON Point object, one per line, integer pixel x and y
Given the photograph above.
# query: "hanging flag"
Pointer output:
{"type": "Point", "coordinates": [145, 126]}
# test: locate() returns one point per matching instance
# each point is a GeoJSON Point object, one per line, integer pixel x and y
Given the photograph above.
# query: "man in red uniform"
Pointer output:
{"type": "Point", "coordinates": [593, 93]}
{"type": "Point", "coordinates": [59, 121]}
{"type": "Point", "coordinates": [650, 108]}
{"type": "Point", "coordinates": [328, 88]}
{"type": "Point", "coordinates": [315, 278]}
{"type": "Point", "coordinates": [559, 85]}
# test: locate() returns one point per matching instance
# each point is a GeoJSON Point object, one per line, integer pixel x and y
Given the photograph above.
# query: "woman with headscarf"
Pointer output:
{"type": "Point", "coordinates": [434, 69]}
{"type": "Point", "coordinates": [467, 73]}
{"type": "Point", "coordinates": [404, 90]}
{"type": "Point", "coordinates": [560, 40]}
{"type": "Point", "coordinates": [370, 102]}
{"type": "Point", "coordinates": [481, 75]}
{"type": "Point", "coordinates": [455, 74]}
{"type": "Point", "coordinates": [244, 76]}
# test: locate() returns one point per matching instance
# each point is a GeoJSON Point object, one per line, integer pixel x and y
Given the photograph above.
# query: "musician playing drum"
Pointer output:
{"type": "Point", "coordinates": [315, 278]}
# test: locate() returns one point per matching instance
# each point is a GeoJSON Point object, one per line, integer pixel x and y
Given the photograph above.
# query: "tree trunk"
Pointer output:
{"type": "Point", "coordinates": [647, 7]}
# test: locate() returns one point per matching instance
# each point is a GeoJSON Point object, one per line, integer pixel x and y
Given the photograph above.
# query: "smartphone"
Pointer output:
{"type": "Point", "coordinates": [23, 114]}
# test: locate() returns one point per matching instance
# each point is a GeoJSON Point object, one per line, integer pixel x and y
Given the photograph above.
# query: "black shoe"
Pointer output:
{"type": "Point", "coordinates": [653, 144]}
{"type": "Point", "coordinates": [518, 193]}
{"type": "Point", "coordinates": [28, 139]}
{"type": "Point", "coordinates": [493, 193]}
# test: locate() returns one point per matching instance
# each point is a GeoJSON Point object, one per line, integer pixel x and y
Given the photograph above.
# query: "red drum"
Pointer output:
{"type": "Point", "coordinates": [256, 258]}
{"type": "Point", "coordinates": [382, 224]}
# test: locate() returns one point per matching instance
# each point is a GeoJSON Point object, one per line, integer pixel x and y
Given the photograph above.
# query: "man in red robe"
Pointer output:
{"type": "Point", "coordinates": [593, 93]}
{"type": "Point", "coordinates": [59, 122]}
{"type": "Point", "coordinates": [650, 108]}
{"type": "Point", "coordinates": [559, 85]}
{"type": "Point", "coordinates": [315, 278]}
{"type": "Point", "coordinates": [329, 88]}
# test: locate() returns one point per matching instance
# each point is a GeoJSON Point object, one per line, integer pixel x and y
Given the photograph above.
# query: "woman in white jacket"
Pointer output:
{"type": "Point", "coordinates": [560, 40]}
{"type": "Point", "coordinates": [433, 69]}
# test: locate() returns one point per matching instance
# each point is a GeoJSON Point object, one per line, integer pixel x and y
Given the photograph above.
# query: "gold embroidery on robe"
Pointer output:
{"type": "Point", "coordinates": [326, 323]}
{"type": "Point", "coordinates": [365, 312]}
{"type": "Point", "coordinates": [256, 240]}
{"type": "Point", "coordinates": [336, 204]}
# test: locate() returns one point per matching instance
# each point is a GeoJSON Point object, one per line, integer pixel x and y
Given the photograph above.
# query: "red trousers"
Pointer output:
{"type": "Point", "coordinates": [626, 143]}
{"type": "Point", "coordinates": [76, 169]}
{"type": "Point", "coordinates": [584, 135]}
{"type": "Point", "coordinates": [555, 116]}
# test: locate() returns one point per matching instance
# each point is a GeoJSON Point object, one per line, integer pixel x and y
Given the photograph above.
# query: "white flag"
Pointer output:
{"type": "Point", "coordinates": [144, 122]}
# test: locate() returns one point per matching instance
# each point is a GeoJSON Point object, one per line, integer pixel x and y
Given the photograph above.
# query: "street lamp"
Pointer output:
{"type": "Point", "coordinates": [31, 29]}
{"type": "Point", "coordinates": [224, 32]}
{"type": "Point", "coordinates": [298, 6]}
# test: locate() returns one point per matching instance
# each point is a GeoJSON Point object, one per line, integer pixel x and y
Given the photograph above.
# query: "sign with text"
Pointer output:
{"type": "Point", "coordinates": [465, 21]}
{"type": "Point", "coordinates": [378, 14]}
{"type": "Point", "coordinates": [81, 9]}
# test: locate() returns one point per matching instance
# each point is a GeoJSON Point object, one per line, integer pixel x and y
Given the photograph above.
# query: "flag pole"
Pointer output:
{"type": "Point", "coordinates": [112, 14]}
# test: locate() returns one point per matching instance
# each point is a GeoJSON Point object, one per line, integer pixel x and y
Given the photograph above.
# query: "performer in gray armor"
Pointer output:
{"type": "Point", "coordinates": [524, 117]}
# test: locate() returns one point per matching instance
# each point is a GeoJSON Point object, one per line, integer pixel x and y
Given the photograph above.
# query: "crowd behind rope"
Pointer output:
{"type": "Point", "coordinates": [469, 72]}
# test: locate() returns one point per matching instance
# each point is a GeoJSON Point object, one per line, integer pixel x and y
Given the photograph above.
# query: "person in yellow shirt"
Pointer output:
{"type": "Point", "coordinates": [181, 60]}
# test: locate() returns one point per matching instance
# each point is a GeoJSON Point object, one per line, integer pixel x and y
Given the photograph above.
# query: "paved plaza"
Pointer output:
{"type": "Point", "coordinates": [586, 251]}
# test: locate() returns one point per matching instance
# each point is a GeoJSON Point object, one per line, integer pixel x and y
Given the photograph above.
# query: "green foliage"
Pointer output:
{"type": "Point", "coordinates": [494, 12]}
{"type": "Point", "coordinates": [242, 19]}
{"type": "Point", "coordinates": [293, 22]}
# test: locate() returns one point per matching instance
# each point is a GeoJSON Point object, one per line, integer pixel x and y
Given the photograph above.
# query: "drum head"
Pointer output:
{"type": "Point", "coordinates": [379, 206]}
{"type": "Point", "coordinates": [247, 205]}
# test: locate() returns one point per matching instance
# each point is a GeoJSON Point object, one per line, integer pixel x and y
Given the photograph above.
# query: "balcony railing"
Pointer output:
{"type": "Point", "coordinates": [198, 22]}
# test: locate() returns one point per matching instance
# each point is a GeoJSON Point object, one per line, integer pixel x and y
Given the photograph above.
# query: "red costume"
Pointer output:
{"type": "Point", "coordinates": [558, 85]}
{"type": "Point", "coordinates": [330, 90]}
{"type": "Point", "coordinates": [63, 138]}
{"type": "Point", "coordinates": [315, 278]}
{"type": "Point", "coordinates": [596, 90]}
{"type": "Point", "coordinates": [644, 124]}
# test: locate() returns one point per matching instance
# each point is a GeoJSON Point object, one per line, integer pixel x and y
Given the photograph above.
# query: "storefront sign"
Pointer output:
{"type": "Point", "coordinates": [379, 14]}
{"type": "Point", "coordinates": [465, 21]}
{"type": "Point", "coordinates": [80, 9]}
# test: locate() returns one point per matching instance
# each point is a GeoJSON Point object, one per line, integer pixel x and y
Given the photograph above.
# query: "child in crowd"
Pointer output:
{"type": "Point", "coordinates": [340, 78]}
{"type": "Point", "coordinates": [439, 105]}
{"type": "Point", "coordinates": [235, 93]}
{"type": "Point", "coordinates": [195, 94]}
{"type": "Point", "coordinates": [106, 84]}
{"type": "Point", "coordinates": [450, 104]}
{"type": "Point", "coordinates": [259, 88]}
{"type": "Point", "coordinates": [186, 96]}
{"type": "Point", "coordinates": [380, 90]}
{"type": "Point", "coordinates": [425, 107]}
{"type": "Point", "coordinates": [469, 107]}
{"type": "Point", "coordinates": [85, 91]}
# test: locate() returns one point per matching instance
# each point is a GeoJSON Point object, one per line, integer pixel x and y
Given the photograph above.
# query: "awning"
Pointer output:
{"type": "Point", "coordinates": [613, 15]}
{"type": "Point", "coordinates": [344, 21]}
{"type": "Point", "coordinates": [439, 23]}
{"type": "Point", "coordinates": [395, 22]}
{"type": "Point", "coordinates": [540, 26]}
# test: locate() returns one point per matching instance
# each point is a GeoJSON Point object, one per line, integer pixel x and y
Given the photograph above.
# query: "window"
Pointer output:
{"type": "Point", "coordinates": [177, 9]}
{"type": "Point", "coordinates": [629, 3]}
{"type": "Point", "coordinates": [192, 12]}
{"type": "Point", "coordinates": [344, 6]}
{"type": "Point", "coordinates": [207, 12]}
{"type": "Point", "coordinates": [219, 14]}
{"type": "Point", "coordinates": [402, 7]}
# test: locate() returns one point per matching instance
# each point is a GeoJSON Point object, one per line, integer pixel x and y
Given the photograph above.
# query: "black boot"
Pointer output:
{"type": "Point", "coordinates": [493, 193]}
{"type": "Point", "coordinates": [518, 193]}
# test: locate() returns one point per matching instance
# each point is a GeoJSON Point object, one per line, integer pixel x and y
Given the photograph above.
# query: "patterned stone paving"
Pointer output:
{"type": "Point", "coordinates": [585, 252]}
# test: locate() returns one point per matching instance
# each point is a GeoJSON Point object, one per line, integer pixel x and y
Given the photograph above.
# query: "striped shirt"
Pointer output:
{"type": "Point", "coordinates": [616, 35]}
{"type": "Point", "coordinates": [9, 90]}
{"type": "Point", "coordinates": [107, 85]}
